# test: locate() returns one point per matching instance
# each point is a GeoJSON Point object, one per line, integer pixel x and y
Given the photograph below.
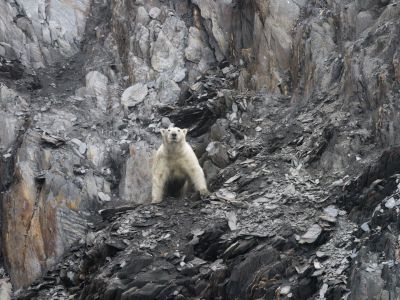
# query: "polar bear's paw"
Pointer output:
{"type": "Point", "coordinates": [204, 194]}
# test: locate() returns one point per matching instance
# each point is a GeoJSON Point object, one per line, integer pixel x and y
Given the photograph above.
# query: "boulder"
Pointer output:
{"type": "Point", "coordinates": [96, 86]}
{"type": "Point", "coordinates": [134, 95]}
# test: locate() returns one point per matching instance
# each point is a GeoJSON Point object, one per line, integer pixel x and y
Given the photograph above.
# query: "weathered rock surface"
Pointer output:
{"type": "Point", "coordinates": [39, 32]}
{"type": "Point", "coordinates": [289, 106]}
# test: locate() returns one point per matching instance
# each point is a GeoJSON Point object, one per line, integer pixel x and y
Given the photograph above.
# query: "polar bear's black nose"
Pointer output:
{"type": "Point", "coordinates": [173, 135]}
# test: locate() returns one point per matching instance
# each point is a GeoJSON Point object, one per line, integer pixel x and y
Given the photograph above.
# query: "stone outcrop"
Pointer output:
{"type": "Point", "coordinates": [39, 32]}
{"type": "Point", "coordinates": [286, 102]}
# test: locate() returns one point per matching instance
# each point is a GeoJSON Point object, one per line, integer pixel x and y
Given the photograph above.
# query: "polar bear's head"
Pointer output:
{"type": "Point", "coordinates": [173, 135]}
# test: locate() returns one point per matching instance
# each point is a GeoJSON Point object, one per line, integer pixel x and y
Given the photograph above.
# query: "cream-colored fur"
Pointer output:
{"type": "Point", "coordinates": [175, 159]}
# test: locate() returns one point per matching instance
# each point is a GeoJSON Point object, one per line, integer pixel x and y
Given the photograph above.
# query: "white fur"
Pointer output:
{"type": "Point", "coordinates": [175, 159]}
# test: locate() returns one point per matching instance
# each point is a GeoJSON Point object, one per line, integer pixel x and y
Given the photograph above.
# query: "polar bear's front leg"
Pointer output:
{"type": "Point", "coordinates": [158, 183]}
{"type": "Point", "coordinates": [199, 181]}
{"type": "Point", "coordinates": [157, 191]}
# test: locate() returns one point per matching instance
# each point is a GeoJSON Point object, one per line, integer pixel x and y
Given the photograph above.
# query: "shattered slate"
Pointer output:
{"type": "Point", "coordinates": [291, 107]}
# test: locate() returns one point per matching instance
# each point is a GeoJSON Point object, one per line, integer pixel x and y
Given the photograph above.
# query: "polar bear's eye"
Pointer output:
{"type": "Point", "coordinates": [179, 130]}
{"type": "Point", "coordinates": [169, 130]}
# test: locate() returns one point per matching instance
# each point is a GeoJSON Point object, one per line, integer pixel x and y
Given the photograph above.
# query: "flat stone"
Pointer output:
{"type": "Point", "coordinates": [81, 146]}
{"type": "Point", "coordinates": [285, 290]}
{"type": "Point", "coordinates": [104, 197]}
{"type": "Point", "coordinates": [328, 218]}
{"type": "Point", "coordinates": [134, 95]}
{"type": "Point", "coordinates": [321, 254]}
{"type": "Point", "coordinates": [232, 220]}
{"type": "Point", "coordinates": [365, 227]}
{"type": "Point", "coordinates": [311, 235]}
{"type": "Point", "coordinates": [226, 195]}
{"type": "Point", "coordinates": [390, 203]}
{"type": "Point", "coordinates": [331, 211]}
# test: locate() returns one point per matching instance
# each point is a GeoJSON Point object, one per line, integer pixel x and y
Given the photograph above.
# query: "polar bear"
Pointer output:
{"type": "Point", "coordinates": [175, 165]}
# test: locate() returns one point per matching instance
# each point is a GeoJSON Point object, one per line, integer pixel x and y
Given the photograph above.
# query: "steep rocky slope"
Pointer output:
{"type": "Point", "coordinates": [291, 107]}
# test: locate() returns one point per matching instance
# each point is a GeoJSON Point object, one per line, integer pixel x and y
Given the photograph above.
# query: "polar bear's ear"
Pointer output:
{"type": "Point", "coordinates": [184, 131]}
{"type": "Point", "coordinates": [162, 131]}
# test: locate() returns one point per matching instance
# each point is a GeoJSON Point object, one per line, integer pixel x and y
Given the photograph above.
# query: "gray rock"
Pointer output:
{"type": "Point", "coordinates": [365, 227]}
{"type": "Point", "coordinates": [311, 235]}
{"type": "Point", "coordinates": [165, 122]}
{"type": "Point", "coordinates": [284, 290]}
{"type": "Point", "coordinates": [365, 4]}
{"type": "Point", "coordinates": [218, 154]}
{"type": "Point", "coordinates": [154, 12]}
{"type": "Point", "coordinates": [232, 220]}
{"type": "Point", "coordinates": [331, 211]}
{"type": "Point", "coordinates": [96, 151]}
{"type": "Point", "coordinates": [58, 203]}
{"type": "Point", "coordinates": [134, 95]}
{"type": "Point", "coordinates": [215, 13]}
{"type": "Point", "coordinates": [168, 90]}
{"type": "Point", "coordinates": [219, 131]}
{"type": "Point", "coordinates": [142, 17]}
{"type": "Point", "coordinates": [96, 86]}
{"type": "Point", "coordinates": [390, 203]}
{"type": "Point", "coordinates": [141, 40]}
{"type": "Point", "coordinates": [148, 292]}
{"type": "Point", "coordinates": [197, 50]}
{"type": "Point", "coordinates": [226, 195]}
{"type": "Point", "coordinates": [46, 32]}
{"type": "Point", "coordinates": [367, 282]}
{"type": "Point", "coordinates": [51, 139]}
{"type": "Point", "coordinates": [135, 185]}
{"type": "Point", "coordinates": [81, 146]}
{"type": "Point", "coordinates": [330, 61]}
{"type": "Point", "coordinates": [244, 270]}
{"type": "Point", "coordinates": [364, 20]}
{"type": "Point", "coordinates": [167, 51]}
{"type": "Point", "coordinates": [104, 197]}
{"type": "Point", "coordinates": [139, 69]}
{"type": "Point", "coordinates": [10, 126]}
{"type": "Point", "coordinates": [210, 171]}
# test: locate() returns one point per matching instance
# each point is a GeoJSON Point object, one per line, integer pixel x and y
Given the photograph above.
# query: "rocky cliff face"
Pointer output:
{"type": "Point", "coordinates": [291, 107]}
{"type": "Point", "coordinates": [37, 33]}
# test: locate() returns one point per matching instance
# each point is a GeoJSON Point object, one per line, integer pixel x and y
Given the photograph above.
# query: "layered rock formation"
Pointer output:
{"type": "Point", "coordinates": [286, 102]}
{"type": "Point", "coordinates": [39, 32]}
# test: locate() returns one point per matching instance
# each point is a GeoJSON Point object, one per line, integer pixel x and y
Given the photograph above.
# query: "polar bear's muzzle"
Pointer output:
{"type": "Point", "coordinates": [174, 137]}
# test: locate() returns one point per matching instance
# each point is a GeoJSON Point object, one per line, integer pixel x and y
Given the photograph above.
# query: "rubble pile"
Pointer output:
{"type": "Point", "coordinates": [291, 108]}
